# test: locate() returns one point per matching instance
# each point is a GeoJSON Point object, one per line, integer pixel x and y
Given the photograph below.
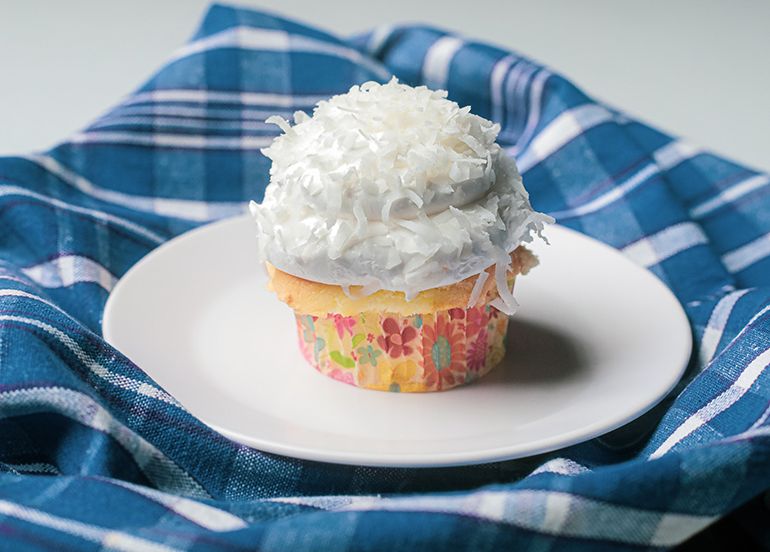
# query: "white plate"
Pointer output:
{"type": "Point", "coordinates": [596, 343]}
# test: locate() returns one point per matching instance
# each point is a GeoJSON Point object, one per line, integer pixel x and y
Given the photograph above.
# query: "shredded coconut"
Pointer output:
{"type": "Point", "coordinates": [477, 287]}
{"type": "Point", "coordinates": [393, 187]}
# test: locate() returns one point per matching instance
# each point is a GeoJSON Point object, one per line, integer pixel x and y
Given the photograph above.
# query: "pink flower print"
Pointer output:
{"type": "Point", "coordinates": [477, 320]}
{"type": "Point", "coordinates": [343, 376]}
{"type": "Point", "coordinates": [456, 313]}
{"type": "Point", "coordinates": [396, 341]}
{"type": "Point", "coordinates": [477, 352]}
{"type": "Point", "coordinates": [343, 324]}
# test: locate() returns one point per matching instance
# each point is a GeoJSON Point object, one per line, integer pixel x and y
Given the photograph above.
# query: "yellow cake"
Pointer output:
{"type": "Point", "coordinates": [317, 299]}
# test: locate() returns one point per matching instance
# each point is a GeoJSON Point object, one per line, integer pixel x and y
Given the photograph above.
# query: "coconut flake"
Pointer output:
{"type": "Point", "coordinates": [338, 238]}
{"type": "Point", "coordinates": [387, 206]}
{"type": "Point", "coordinates": [280, 121]}
{"type": "Point", "coordinates": [500, 305]}
{"type": "Point", "coordinates": [505, 294]}
{"type": "Point", "coordinates": [477, 287]}
{"type": "Point", "coordinates": [361, 222]}
{"type": "Point", "coordinates": [394, 259]}
{"type": "Point", "coordinates": [413, 197]}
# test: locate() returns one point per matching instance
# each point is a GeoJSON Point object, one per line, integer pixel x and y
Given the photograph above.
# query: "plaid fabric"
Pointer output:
{"type": "Point", "coordinates": [95, 455]}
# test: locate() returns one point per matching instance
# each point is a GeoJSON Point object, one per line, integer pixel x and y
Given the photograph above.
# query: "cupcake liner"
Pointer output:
{"type": "Point", "coordinates": [418, 353]}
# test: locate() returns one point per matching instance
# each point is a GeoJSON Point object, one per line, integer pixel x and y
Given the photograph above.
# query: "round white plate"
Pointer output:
{"type": "Point", "coordinates": [596, 343]}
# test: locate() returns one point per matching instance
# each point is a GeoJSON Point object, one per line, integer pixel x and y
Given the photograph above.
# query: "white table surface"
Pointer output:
{"type": "Point", "coordinates": [699, 69]}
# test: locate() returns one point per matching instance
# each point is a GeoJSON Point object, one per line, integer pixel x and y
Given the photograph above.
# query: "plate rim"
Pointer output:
{"type": "Point", "coordinates": [426, 460]}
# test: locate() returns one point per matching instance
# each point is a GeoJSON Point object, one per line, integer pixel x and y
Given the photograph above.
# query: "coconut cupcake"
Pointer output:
{"type": "Point", "coordinates": [393, 225]}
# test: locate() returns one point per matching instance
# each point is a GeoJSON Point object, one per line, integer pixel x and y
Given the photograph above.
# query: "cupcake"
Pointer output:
{"type": "Point", "coordinates": [393, 226]}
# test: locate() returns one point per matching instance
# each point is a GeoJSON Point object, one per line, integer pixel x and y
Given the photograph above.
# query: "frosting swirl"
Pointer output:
{"type": "Point", "coordinates": [392, 187]}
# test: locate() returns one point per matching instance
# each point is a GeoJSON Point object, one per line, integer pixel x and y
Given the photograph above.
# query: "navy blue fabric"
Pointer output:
{"type": "Point", "coordinates": [94, 455]}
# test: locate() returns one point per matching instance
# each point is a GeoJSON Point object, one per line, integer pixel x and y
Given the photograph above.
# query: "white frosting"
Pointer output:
{"type": "Point", "coordinates": [392, 187]}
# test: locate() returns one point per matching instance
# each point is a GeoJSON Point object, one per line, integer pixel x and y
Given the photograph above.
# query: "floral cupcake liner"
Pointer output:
{"type": "Point", "coordinates": [418, 353]}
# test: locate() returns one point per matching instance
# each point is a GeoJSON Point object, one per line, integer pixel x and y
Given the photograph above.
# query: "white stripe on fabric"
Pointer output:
{"type": "Point", "coordinates": [718, 404]}
{"type": "Point", "coordinates": [743, 257]}
{"type": "Point", "coordinates": [438, 58]}
{"type": "Point", "coordinates": [234, 114]}
{"type": "Point", "coordinates": [26, 295]}
{"type": "Point", "coordinates": [507, 96]}
{"type": "Point", "coordinates": [715, 327]}
{"type": "Point", "coordinates": [535, 100]}
{"type": "Point", "coordinates": [35, 467]}
{"type": "Point", "coordinates": [537, 510]}
{"type": "Point", "coordinates": [67, 270]}
{"type": "Point", "coordinates": [665, 244]}
{"type": "Point", "coordinates": [755, 431]}
{"type": "Point", "coordinates": [672, 527]}
{"type": "Point", "coordinates": [194, 141]}
{"type": "Point", "coordinates": [747, 326]}
{"type": "Point", "coordinates": [274, 40]}
{"type": "Point", "coordinates": [98, 369]}
{"type": "Point", "coordinates": [614, 194]}
{"type": "Point", "coordinates": [203, 125]}
{"type": "Point", "coordinates": [557, 508]}
{"type": "Point", "coordinates": [673, 153]}
{"type": "Point", "coordinates": [100, 215]}
{"type": "Point", "coordinates": [330, 503]}
{"type": "Point", "coordinates": [561, 466]}
{"type": "Point", "coordinates": [377, 39]}
{"type": "Point", "coordinates": [224, 96]}
{"type": "Point", "coordinates": [513, 92]}
{"type": "Point", "coordinates": [730, 194]}
{"type": "Point", "coordinates": [516, 80]}
{"type": "Point", "coordinates": [562, 130]}
{"type": "Point", "coordinates": [199, 513]}
{"type": "Point", "coordinates": [270, 40]}
{"type": "Point", "coordinates": [10, 278]}
{"type": "Point", "coordinates": [492, 505]}
{"type": "Point", "coordinates": [163, 472]}
{"type": "Point", "coordinates": [188, 209]}
{"type": "Point", "coordinates": [497, 85]}
{"type": "Point", "coordinates": [107, 538]}
{"type": "Point", "coordinates": [762, 419]}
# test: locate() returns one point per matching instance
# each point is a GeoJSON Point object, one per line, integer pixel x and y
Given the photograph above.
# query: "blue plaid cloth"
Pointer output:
{"type": "Point", "coordinates": [94, 455]}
